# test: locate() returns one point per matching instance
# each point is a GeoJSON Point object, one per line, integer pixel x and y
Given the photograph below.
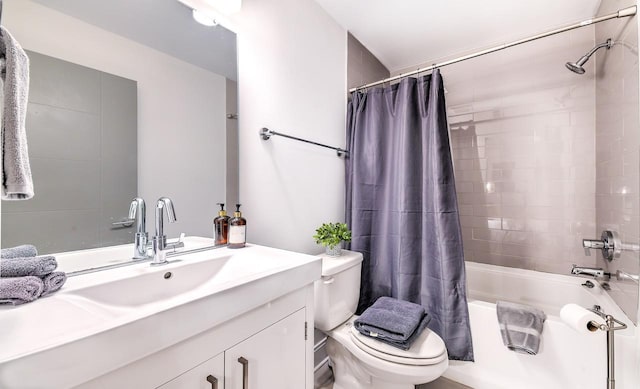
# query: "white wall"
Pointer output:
{"type": "Point", "coordinates": [181, 117]}
{"type": "Point", "coordinates": [292, 79]}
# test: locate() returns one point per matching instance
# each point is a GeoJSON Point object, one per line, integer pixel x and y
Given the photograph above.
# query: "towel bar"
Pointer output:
{"type": "Point", "coordinates": [266, 133]}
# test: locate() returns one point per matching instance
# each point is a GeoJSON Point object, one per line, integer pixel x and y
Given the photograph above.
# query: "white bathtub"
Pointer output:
{"type": "Point", "coordinates": [566, 359]}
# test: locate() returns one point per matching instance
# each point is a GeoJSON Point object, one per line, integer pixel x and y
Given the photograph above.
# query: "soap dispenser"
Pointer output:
{"type": "Point", "coordinates": [221, 226]}
{"type": "Point", "coordinates": [237, 230]}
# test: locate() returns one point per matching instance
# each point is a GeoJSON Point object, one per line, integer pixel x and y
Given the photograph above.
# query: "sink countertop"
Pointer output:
{"type": "Point", "coordinates": [101, 321]}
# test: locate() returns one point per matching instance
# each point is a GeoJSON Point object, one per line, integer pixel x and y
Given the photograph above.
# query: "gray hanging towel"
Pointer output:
{"type": "Point", "coordinates": [520, 326]}
{"type": "Point", "coordinates": [17, 183]}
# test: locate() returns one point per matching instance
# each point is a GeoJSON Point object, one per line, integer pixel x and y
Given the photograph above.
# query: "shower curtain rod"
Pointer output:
{"type": "Point", "coordinates": [623, 13]}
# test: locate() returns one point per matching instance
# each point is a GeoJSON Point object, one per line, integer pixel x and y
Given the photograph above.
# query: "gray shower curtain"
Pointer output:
{"type": "Point", "coordinates": [401, 204]}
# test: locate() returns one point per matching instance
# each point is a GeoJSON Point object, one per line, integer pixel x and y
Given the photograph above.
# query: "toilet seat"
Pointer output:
{"type": "Point", "coordinates": [427, 349]}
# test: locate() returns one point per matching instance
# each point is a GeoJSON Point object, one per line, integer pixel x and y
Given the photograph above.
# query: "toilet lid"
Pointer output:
{"type": "Point", "coordinates": [427, 349]}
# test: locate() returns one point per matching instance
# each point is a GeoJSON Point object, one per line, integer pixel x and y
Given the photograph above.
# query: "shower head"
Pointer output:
{"type": "Point", "coordinates": [576, 67]}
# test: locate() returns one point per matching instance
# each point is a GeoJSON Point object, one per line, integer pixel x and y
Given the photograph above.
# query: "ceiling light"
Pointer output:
{"type": "Point", "coordinates": [204, 18]}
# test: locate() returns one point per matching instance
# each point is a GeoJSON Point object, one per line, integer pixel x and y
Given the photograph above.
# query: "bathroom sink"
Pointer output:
{"type": "Point", "coordinates": [146, 284]}
{"type": "Point", "coordinates": [184, 278]}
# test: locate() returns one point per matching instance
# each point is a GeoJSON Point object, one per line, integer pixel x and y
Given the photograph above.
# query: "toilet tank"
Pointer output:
{"type": "Point", "coordinates": [338, 291]}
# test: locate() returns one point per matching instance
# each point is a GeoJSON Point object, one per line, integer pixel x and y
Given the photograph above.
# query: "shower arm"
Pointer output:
{"type": "Point", "coordinates": [585, 57]}
{"type": "Point", "coordinates": [606, 44]}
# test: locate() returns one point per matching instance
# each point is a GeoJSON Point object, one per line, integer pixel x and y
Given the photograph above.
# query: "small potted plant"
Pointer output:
{"type": "Point", "coordinates": [331, 235]}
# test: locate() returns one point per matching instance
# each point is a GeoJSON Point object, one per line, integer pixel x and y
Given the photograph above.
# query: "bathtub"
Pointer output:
{"type": "Point", "coordinates": [566, 358]}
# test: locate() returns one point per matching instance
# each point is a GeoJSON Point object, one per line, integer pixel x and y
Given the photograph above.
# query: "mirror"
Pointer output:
{"type": "Point", "coordinates": [147, 72]}
{"type": "Point", "coordinates": [82, 140]}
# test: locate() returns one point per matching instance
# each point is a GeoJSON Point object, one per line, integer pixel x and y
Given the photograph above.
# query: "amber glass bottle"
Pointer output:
{"type": "Point", "coordinates": [237, 230]}
{"type": "Point", "coordinates": [221, 226]}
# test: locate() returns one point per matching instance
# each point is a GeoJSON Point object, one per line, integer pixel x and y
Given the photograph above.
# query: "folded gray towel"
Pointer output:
{"type": "Point", "coordinates": [53, 282]}
{"type": "Point", "coordinates": [20, 290]}
{"type": "Point", "coordinates": [23, 251]}
{"type": "Point", "coordinates": [17, 183]}
{"type": "Point", "coordinates": [393, 321]}
{"type": "Point", "coordinates": [406, 344]}
{"type": "Point", "coordinates": [34, 266]}
{"type": "Point", "coordinates": [520, 326]}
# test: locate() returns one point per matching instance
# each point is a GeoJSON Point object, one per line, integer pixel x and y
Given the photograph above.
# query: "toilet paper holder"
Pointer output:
{"type": "Point", "coordinates": [610, 321]}
{"type": "Point", "coordinates": [609, 327]}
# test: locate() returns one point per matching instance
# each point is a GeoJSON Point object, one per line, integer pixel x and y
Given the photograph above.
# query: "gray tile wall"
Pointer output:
{"type": "Point", "coordinates": [81, 130]}
{"type": "Point", "coordinates": [523, 131]}
{"type": "Point", "coordinates": [617, 145]}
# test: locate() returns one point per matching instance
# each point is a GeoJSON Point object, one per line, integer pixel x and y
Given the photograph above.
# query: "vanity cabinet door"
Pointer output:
{"type": "Point", "coordinates": [274, 358]}
{"type": "Point", "coordinates": [207, 375]}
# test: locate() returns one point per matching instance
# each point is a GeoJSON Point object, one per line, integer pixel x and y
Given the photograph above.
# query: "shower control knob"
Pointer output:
{"type": "Point", "coordinates": [609, 244]}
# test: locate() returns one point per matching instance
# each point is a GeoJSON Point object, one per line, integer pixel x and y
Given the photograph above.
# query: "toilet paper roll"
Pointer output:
{"type": "Point", "coordinates": [580, 319]}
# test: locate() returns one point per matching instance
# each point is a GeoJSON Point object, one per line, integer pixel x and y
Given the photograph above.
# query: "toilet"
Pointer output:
{"type": "Point", "coordinates": [361, 362]}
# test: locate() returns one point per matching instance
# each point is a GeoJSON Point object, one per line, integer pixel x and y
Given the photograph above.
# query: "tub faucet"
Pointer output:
{"type": "Point", "coordinates": [595, 272]}
{"type": "Point", "coordinates": [138, 212]}
{"type": "Point", "coordinates": [160, 244]}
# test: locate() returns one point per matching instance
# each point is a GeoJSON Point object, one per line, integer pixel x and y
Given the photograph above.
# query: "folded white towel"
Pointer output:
{"type": "Point", "coordinates": [17, 183]}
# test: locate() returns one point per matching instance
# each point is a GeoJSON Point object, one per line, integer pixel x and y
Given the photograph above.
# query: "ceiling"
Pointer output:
{"type": "Point", "coordinates": [407, 33]}
{"type": "Point", "coordinates": [165, 25]}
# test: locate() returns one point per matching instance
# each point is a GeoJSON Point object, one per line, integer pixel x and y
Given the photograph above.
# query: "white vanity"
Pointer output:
{"type": "Point", "coordinates": [222, 318]}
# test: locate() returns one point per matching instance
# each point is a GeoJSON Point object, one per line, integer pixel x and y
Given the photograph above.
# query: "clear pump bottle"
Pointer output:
{"type": "Point", "coordinates": [221, 226]}
{"type": "Point", "coordinates": [237, 230]}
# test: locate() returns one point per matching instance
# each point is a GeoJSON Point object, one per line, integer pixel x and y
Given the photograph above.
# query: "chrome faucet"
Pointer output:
{"type": "Point", "coordinates": [138, 212]}
{"type": "Point", "coordinates": [160, 244]}
{"type": "Point", "coordinates": [595, 272]}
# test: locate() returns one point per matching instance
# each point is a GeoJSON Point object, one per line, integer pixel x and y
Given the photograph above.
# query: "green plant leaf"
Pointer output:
{"type": "Point", "coordinates": [331, 234]}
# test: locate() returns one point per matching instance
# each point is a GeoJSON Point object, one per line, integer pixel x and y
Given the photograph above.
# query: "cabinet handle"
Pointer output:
{"type": "Point", "coordinates": [245, 372]}
{"type": "Point", "coordinates": [213, 380]}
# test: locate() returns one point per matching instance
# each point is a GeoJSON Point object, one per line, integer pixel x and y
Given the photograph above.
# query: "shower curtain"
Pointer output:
{"type": "Point", "coordinates": [402, 208]}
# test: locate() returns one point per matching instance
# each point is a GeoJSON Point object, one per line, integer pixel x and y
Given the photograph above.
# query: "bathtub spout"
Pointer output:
{"type": "Point", "coordinates": [595, 272]}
